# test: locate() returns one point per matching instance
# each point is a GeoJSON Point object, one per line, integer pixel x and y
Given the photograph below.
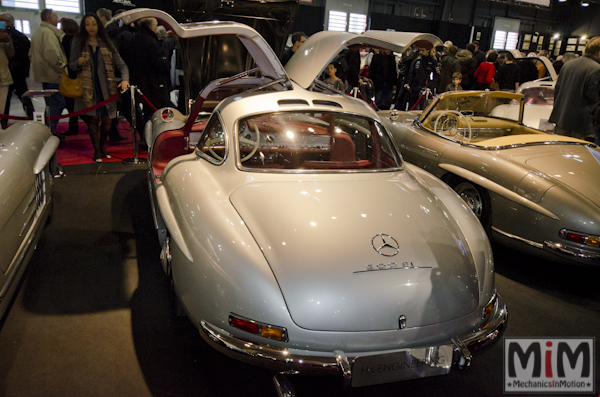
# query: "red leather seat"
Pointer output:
{"type": "Point", "coordinates": [171, 144]}
{"type": "Point", "coordinates": [343, 149]}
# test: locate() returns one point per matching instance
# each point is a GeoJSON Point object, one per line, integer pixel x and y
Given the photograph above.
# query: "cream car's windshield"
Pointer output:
{"type": "Point", "coordinates": [474, 103]}
{"type": "Point", "coordinates": [477, 117]}
{"type": "Point", "coordinates": [301, 140]}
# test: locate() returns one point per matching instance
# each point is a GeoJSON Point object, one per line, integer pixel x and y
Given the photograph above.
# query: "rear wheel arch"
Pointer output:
{"type": "Point", "coordinates": [476, 197]}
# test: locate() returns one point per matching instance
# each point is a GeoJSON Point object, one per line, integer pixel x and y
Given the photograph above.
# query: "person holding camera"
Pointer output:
{"type": "Point", "coordinates": [19, 68]}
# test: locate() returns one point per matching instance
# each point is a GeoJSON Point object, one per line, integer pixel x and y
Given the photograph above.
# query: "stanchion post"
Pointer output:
{"type": "Point", "coordinates": [135, 159]}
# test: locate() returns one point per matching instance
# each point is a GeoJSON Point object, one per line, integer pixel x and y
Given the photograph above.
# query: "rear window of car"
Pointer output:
{"type": "Point", "coordinates": [314, 141]}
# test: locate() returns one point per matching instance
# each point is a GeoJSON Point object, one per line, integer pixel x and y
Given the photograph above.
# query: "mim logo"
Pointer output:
{"type": "Point", "coordinates": [549, 365]}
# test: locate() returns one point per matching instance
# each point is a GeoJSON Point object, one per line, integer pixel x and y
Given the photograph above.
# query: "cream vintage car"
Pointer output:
{"type": "Point", "coordinates": [531, 190]}
{"type": "Point", "coordinates": [26, 149]}
{"type": "Point", "coordinates": [284, 213]}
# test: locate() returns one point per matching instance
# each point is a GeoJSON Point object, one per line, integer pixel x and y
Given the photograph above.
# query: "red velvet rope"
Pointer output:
{"type": "Point", "coordinates": [154, 109]}
{"type": "Point", "coordinates": [83, 111]}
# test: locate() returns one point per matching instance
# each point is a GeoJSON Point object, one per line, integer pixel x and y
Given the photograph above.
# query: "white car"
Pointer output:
{"type": "Point", "coordinates": [295, 236]}
{"type": "Point", "coordinates": [538, 98]}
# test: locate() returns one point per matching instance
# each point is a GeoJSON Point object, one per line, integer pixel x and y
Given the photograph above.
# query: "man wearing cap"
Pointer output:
{"type": "Point", "coordinates": [424, 73]}
{"type": "Point", "coordinates": [447, 45]}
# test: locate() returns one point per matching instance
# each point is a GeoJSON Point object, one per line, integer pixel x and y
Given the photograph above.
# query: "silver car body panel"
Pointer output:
{"type": "Point", "coordinates": [25, 198]}
{"type": "Point", "coordinates": [225, 253]}
{"type": "Point", "coordinates": [320, 49]}
{"type": "Point", "coordinates": [228, 251]}
{"type": "Point", "coordinates": [258, 48]}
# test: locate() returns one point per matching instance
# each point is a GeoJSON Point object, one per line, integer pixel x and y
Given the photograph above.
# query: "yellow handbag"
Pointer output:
{"type": "Point", "coordinates": [70, 88]}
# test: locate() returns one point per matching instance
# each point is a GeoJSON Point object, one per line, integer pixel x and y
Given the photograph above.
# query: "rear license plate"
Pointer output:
{"type": "Point", "coordinates": [402, 365]}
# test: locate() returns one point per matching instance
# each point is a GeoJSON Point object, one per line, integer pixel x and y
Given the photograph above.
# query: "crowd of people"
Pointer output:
{"type": "Point", "coordinates": [409, 81]}
{"type": "Point", "coordinates": [104, 53]}
{"type": "Point", "coordinates": [403, 81]}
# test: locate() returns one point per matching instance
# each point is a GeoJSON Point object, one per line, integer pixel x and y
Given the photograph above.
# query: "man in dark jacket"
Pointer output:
{"type": "Point", "coordinates": [19, 68]}
{"type": "Point", "coordinates": [149, 68]}
{"type": "Point", "coordinates": [450, 65]}
{"type": "Point", "coordinates": [298, 38]}
{"type": "Point", "coordinates": [424, 73]}
{"type": "Point", "coordinates": [382, 72]}
{"type": "Point", "coordinates": [576, 96]}
{"type": "Point", "coordinates": [480, 55]}
{"type": "Point", "coordinates": [402, 94]}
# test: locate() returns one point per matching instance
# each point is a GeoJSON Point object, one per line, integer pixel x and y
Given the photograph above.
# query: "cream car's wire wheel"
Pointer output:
{"type": "Point", "coordinates": [471, 196]}
{"type": "Point", "coordinates": [476, 198]}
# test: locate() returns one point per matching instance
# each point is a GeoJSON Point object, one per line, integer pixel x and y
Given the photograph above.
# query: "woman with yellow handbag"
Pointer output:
{"type": "Point", "coordinates": [94, 56]}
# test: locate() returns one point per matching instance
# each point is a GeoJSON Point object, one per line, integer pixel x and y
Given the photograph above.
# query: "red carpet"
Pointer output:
{"type": "Point", "coordinates": [77, 149]}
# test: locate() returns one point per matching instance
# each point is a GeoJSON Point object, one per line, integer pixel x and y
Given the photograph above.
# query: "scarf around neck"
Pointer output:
{"type": "Point", "coordinates": [87, 77]}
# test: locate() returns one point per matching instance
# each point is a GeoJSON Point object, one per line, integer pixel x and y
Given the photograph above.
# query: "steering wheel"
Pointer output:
{"type": "Point", "coordinates": [453, 118]}
{"type": "Point", "coordinates": [209, 145]}
{"type": "Point", "coordinates": [250, 142]}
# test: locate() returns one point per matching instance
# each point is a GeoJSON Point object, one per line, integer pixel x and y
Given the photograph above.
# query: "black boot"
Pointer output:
{"type": "Point", "coordinates": [93, 131]}
{"type": "Point", "coordinates": [73, 126]}
{"type": "Point", "coordinates": [103, 135]}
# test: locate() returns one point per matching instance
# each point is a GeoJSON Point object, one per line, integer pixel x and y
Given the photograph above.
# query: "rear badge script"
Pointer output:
{"type": "Point", "coordinates": [391, 266]}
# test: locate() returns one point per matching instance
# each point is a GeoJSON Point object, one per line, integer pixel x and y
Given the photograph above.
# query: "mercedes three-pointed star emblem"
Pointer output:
{"type": "Point", "coordinates": [385, 245]}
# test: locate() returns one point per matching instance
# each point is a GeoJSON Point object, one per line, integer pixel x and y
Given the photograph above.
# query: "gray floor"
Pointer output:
{"type": "Point", "coordinates": [91, 317]}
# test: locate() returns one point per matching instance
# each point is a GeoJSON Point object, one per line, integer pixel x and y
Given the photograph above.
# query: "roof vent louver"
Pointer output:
{"type": "Point", "coordinates": [326, 103]}
{"type": "Point", "coordinates": [292, 102]}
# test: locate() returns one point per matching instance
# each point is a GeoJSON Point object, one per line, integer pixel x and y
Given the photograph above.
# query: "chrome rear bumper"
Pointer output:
{"type": "Point", "coordinates": [337, 363]}
{"type": "Point", "coordinates": [576, 254]}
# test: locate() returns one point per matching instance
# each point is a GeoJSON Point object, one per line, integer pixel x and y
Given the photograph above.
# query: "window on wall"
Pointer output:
{"type": "Point", "coordinates": [343, 22]}
{"type": "Point", "coordinates": [337, 21]}
{"type": "Point", "coordinates": [23, 26]}
{"type": "Point", "coordinates": [505, 40]}
{"type": "Point", "coordinates": [30, 4]}
{"type": "Point", "coordinates": [64, 5]}
{"type": "Point", "coordinates": [72, 6]}
{"type": "Point", "coordinates": [357, 23]}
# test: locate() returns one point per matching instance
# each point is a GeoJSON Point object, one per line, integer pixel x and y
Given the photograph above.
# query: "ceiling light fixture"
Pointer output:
{"type": "Point", "coordinates": [584, 3]}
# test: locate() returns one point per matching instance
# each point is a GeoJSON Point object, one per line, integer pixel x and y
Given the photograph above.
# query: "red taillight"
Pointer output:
{"type": "Point", "coordinates": [244, 325]}
{"type": "Point", "coordinates": [592, 241]}
{"type": "Point", "coordinates": [578, 238]}
{"type": "Point", "coordinates": [254, 327]}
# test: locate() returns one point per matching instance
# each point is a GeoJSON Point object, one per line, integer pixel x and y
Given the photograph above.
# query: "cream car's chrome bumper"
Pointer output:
{"type": "Point", "coordinates": [577, 254]}
{"type": "Point", "coordinates": [337, 362]}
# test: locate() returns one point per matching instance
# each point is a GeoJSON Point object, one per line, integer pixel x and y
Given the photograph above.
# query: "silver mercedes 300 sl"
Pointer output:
{"type": "Point", "coordinates": [25, 199]}
{"type": "Point", "coordinates": [284, 214]}
{"type": "Point", "coordinates": [532, 190]}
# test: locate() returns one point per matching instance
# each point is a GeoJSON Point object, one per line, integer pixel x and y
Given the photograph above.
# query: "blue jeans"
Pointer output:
{"type": "Point", "coordinates": [56, 103]}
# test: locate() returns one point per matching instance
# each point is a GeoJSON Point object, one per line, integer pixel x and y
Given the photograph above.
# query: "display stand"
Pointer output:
{"type": "Point", "coordinates": [44, 118]}
{"type": "Point", "coordinates": [37, 116]}
{"type": "Point", "coordinates": [135, 159]}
